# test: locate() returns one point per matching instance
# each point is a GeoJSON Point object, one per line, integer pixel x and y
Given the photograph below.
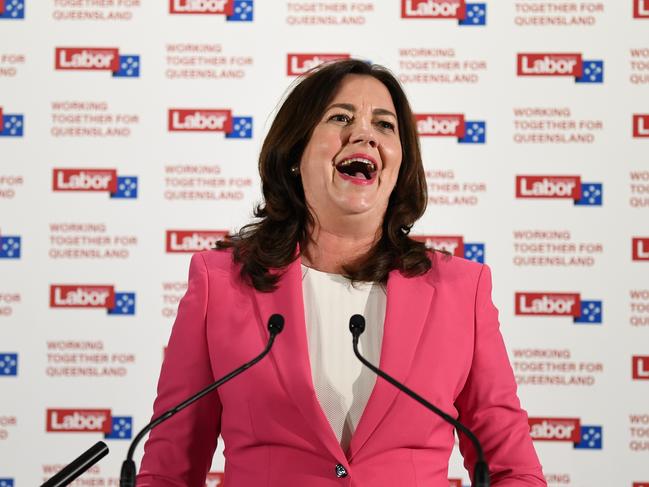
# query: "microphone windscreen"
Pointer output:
{"type": "Point", "coordinates": [276, 323]}
{"type": "Point", "coordinates": [357, 325]}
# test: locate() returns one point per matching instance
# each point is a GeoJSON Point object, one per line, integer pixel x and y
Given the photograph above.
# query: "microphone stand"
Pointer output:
{"type": "Point", "coordinates": [481, 470]}
{"type": "Point", "coordinates": [78, 466]}
{"type": "Point", "coordinates": [127, 477]}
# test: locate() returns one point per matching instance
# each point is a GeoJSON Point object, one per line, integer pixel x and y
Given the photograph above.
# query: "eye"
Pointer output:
{"type": "Point", "coordinates": [384, 124]}
{"type": "Point", "coordinates": [340, 117]}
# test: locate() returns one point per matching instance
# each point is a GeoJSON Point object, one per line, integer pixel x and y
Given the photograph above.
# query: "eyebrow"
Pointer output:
{"type": "Point", "coordinates": [352, 108]}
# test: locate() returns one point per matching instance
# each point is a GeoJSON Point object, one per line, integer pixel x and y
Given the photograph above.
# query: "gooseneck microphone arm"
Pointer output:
{"type": "Point", "coordinates": [78, 466]}
{"type": "Point", "coordinates": [127, 477]}
{"type": "Point", "coordinates": [481, 470]}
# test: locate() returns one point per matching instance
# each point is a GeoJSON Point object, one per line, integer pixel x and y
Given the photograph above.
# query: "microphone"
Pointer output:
{"type": "Point", "coordinates": [78, 466]}
{"type": "Point", "coordinates": [481, 470]}
{"type": "Point", "coordinates": [127, 476]}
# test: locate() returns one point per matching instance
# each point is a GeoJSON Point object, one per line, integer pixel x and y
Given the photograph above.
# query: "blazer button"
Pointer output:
{"type": "Point", "coordinates": [341, 472]}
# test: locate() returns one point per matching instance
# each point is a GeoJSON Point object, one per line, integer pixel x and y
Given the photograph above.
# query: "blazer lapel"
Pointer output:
{"type": "Point", "coordinates": [290, 353]}
{"type": "Point", "coordinates": [408, 303]}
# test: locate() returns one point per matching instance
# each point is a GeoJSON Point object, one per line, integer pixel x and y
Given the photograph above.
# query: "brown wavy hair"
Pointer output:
{"type": "Point", "coordinates": [264, 248]}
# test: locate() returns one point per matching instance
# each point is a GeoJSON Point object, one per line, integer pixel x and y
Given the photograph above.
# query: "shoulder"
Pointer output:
{"type": "Point", "coordinates": [451, 269]}
{"type": "Point", "coordinates": [214, 262]}
{"type": "Point", "coordinates": [457, 276]}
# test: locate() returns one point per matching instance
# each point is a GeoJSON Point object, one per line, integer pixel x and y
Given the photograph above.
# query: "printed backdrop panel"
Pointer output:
{"type": "Point", "coordinates": [129, 138]}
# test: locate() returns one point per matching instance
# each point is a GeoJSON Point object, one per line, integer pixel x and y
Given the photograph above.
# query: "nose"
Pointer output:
{"type": "Point", "coordinates": [362, 132]}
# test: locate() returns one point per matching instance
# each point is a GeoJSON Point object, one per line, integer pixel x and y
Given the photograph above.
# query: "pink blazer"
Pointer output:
{"type": "Point", "coordinates": [441, 338]}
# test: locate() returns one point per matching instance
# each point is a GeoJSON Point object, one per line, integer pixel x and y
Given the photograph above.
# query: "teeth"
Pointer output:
{"type": "Point", "coordinates": [369, 163]}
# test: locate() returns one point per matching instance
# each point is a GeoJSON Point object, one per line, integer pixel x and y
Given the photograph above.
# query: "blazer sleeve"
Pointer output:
{"type": "Point", "coordinates": [489, 406]}
{"type": "Point", "coordinates": [179, 451]}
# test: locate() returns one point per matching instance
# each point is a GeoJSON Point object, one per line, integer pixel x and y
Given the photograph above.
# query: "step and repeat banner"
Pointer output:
{"type": "Point", "coordinates": [129, 137]}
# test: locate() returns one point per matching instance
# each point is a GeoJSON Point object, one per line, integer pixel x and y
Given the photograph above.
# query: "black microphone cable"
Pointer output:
{"type": "Point", "coordinates": [481, 470]}
{"type": "Point", "coordinates": [127, 477]}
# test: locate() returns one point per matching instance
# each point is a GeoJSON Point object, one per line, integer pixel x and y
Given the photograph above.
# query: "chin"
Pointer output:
{"type": "Point", "coordinates": [357, 207]}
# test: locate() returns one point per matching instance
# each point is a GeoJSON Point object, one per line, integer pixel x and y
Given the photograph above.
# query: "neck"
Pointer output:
{"type": "Point", "coordinates": [328, 249]}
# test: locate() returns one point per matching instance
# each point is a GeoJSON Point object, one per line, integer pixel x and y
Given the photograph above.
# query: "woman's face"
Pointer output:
{"type": "Point", "coordinates": [351, 163]}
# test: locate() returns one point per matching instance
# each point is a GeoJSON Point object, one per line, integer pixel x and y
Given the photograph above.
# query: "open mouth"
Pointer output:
{"type": "Point", "coordinates": [357, 168]}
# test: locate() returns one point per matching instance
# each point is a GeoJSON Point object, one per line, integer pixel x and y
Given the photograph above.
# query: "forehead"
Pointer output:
{"type": "Point", "coordinates": [360, 90]}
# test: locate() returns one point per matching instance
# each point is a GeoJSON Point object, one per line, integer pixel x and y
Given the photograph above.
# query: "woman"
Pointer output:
{"type": "Point", "coordinates": [343, 183]}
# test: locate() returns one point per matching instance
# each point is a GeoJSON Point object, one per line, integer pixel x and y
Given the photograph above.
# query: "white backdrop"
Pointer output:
{"type": "Point", "coordinates": [534, 117]}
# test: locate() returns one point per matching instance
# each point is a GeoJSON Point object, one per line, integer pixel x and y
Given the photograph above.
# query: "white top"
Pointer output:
{"type": "Point", "coordinates": [342, 383]}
